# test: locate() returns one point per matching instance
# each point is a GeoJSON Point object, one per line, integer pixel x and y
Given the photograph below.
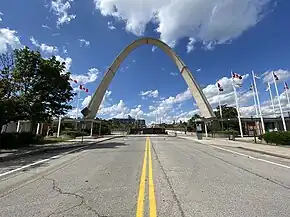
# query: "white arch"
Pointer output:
{"type": "Point", "coordinates": [201, 101]}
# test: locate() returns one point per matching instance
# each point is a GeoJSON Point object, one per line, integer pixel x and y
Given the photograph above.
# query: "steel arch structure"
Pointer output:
{"type": "Point", "coordinates": [201, 101]}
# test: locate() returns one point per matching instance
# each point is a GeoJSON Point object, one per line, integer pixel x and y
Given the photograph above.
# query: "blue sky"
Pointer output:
{"type": "Point", "coordinates": [212, 37]}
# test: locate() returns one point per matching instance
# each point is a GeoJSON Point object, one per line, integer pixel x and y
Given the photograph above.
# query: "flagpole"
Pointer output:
{"type": "Point", "coordinates": [238, 109]}
{"type": "Point", "coordinates": [78, 103]}
{"type": "Point", "coordinates": [271, 97]}
{"type": "Point", "coordinates": [220, 107]}
{"type": "Point", "coordinates": [286, 92]}
{"type": "Point", "coordinates": [278, 96]}
{"type": "Point", "coordinates": [258, 101]}
{"type": "Point", "coordinates": [256, 108]}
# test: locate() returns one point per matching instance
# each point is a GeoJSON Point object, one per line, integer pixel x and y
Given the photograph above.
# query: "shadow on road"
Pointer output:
{"type": "Point", "coordinates": [30, 159]}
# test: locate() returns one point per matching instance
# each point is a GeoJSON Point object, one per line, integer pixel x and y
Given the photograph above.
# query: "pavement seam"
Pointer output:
{"type": "Point", "coordinates": [168, 182]}
{"type": "Point", "coordinates": [244, 169]}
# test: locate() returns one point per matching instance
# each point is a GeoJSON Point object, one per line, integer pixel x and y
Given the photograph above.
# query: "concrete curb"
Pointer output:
{"type": "Point", "coordinates": [247, 149]}
{"type": "Point", "coordinates": [41, 150]}
{"type": "Point", "coordinates": [265, 152]}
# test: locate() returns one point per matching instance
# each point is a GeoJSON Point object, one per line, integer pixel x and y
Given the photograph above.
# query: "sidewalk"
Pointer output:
{"type": "Point", "coordinates": [277, 151]}
{"type": "Point", "coordinates": [11, 154]}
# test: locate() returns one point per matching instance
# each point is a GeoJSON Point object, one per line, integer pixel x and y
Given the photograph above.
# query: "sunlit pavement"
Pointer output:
{"type": "Point", "coordinates": [138, 176]}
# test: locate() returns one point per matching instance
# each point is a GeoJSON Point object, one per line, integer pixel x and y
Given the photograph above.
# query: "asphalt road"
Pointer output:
{"type": "Point", "coordinates": [135, 176]}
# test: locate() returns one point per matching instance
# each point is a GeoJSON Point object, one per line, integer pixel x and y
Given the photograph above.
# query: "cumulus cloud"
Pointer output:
{"type": "Point", "coordinates": [111, 26]}
{"type": "Point", "coordinates": [190, 45]}
{"type": "Point", "coordinates": [84, 43]}
{"type": "Point", "coordinates": [44, 47]}
{"type": "Point", "coordinates": [281, 74]}
{"type": "Point", "coordinates": [60, 8]}
{"type": "Point", "coordinates": [8, 38]}
{"type": "Point", "coordinates": [86, 101]}
{"type": "Point", "coordinates": [208, 21]}
{"type": "Point", "coordinates": [67, 61]}
{"type": "Point", "coordinates": [149, 94]}
{"type": "Point", "coordinates": [91, 76]}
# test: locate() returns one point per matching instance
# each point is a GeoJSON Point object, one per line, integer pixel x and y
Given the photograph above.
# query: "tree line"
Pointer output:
{"type": "Point", "coordinates": [32, 87]}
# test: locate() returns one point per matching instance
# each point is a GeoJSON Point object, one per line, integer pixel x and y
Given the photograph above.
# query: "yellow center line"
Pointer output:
{"type": "Point", "coordinates": [152, 200]}
{"type": "Point", "coordinates": [140, 203]}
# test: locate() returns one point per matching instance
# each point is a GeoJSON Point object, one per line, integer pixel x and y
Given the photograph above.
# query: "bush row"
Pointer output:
{"type": "Point", "coordinates": [278, 138]}
{"type": "Point", "coordinates": [18, 140]}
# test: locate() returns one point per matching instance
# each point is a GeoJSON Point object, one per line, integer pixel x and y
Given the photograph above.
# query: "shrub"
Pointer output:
{"type": "Point", "coordinates": [228, 132]}
{"type": "Point", "coordinates": [278, 138]}
{"type": "Point", "coordinates": [75, 134]}
{"type": "Point", "coordinates": [18, 140]}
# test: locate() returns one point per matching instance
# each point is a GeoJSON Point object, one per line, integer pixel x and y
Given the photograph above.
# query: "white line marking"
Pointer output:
{"type": "Point", "coordinates": [39, 162]}
{"type": "Point", "coordinates": [248, 156]}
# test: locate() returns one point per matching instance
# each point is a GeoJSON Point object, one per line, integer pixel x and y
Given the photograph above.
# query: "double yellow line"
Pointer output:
{"type": "Point", "coordinates": [152, 200]}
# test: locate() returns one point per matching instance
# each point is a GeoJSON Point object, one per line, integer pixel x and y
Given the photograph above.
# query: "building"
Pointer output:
{"type": "Point", "coordinates": [131, 121]}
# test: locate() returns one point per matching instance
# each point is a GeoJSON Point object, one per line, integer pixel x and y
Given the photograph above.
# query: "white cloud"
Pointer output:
{"type": "Point", "coordinates": [45, 26]}
{"type": "Point", "coordinates": [282, 75]}
{"type": "Point", "coordinates": [226, 96]}
{"type": "Point", "coordinates": [60, 8]}
{"type": "Point", "coordinates": [84, 43]}
{"type": "Point", "coordinates": [173, 73]}
{"type": "Point", "coordinates": [86, 101]}
{"type": "Point", "coordinates": [166, 105]}
{"type": "Point", "coordinates": [44, 47]}
{"type": "Point", "coordinates": [190, 45]}
{"type": "Point", "coordinates": [208, 21]}
{"type": "Point", "coordinates": [118, 110]}
{"type": "Point", "coordinates": [91, 76]}
{"type": "Point", "coordinates": [8, 38]}
{"type": "Point", "coordinates": [111, 26]}
{"type": "Point", "coordinates": [67, 61]}
{"type": "Point", "coordinates": [149, 94]}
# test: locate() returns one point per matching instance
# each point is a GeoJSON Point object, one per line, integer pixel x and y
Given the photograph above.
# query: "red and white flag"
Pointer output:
{"type": "Point", "coordinates": [275, 76]}
{"type": "Point", "coordinates": [220, 87]}
{"type": "Point", "coordinates": [236, 75]}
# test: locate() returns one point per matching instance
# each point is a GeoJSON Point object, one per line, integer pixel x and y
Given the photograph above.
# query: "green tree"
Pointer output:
{"type": "Point", "coordinates": [10, 109]}
{"type": "Point", "coordinates": [227, 112]}
{"type": "Point", "coordinates": [39, 89]}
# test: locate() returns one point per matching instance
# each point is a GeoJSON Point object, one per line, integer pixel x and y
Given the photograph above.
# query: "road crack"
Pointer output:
{"type": "Point", "coordinates": [83, 201]}
{"type": "Point", "coordinates": [169, 183]}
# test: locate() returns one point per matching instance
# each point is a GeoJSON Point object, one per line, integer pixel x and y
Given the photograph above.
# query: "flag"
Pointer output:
{"type": "Point", "coordinates": [87, 90]}
{"type": "Point", "coordinates": [256, 76]}
{"type": "Point", "coordinates": [251, 87]}
{"type": "Point", "coordinates": [275, 76]}
{"type": "Point", "coordinates": [75, 81]}
{"type": "Point", "coordinates": [220, 87]}
{"type": "Point", "coordinates": [236, 75]}
{"type": "Point", "coordinates": [286, 86]}
{"type": "Point", "coordinates": [84, 88]}
{"type": "Point", "coordinates": [81, 87]}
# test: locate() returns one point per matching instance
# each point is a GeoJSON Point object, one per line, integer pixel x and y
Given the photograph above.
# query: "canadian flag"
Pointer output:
{"type": "Point", "coordinates": [236, 75]}
{"type": "Point", "coordinates": [286, 86]}
{"type": "Point", "coordinates": [87, 90]}
{"type": "Point", "coordinates": [275, 76]}
{"type": "Point", "coordinates": [220, 87]}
